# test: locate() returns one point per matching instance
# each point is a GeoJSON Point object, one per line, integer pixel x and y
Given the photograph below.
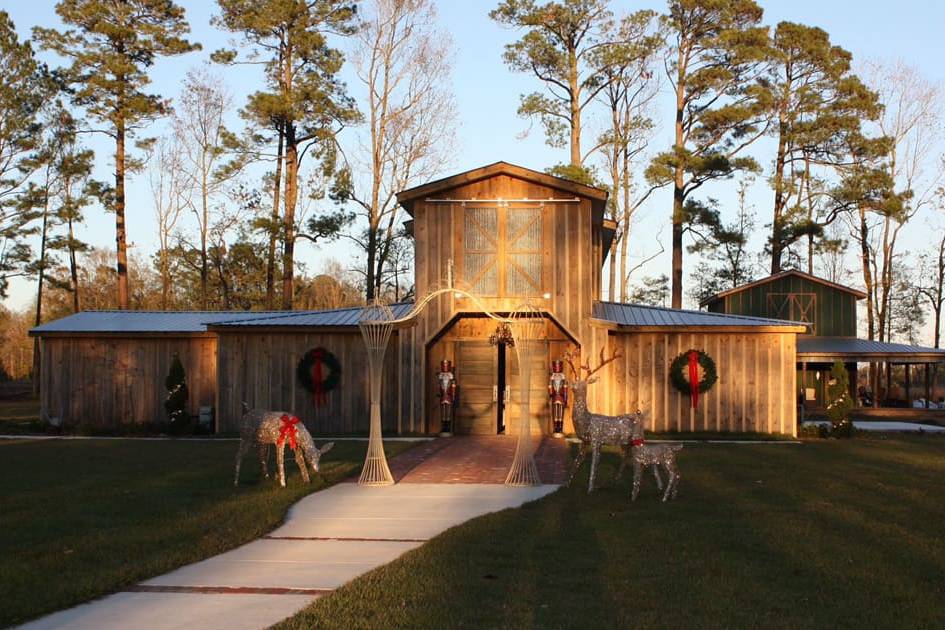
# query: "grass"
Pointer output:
{"type": "Point", "coordinates": [80, 519]}
{"type": "Point", "coordinates": [821, 534]}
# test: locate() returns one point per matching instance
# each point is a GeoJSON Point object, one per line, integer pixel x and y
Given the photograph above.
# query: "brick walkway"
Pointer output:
{"type": "Point", "coordinates": [476, 459]}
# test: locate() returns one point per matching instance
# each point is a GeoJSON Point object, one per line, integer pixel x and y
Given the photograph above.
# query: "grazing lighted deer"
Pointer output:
{"type": "Point", "coordinates": [593, 429]}
{"type": "Point", "coordinates": [655, 455]}
{"type": "Point", "coordinates": [262, 428]}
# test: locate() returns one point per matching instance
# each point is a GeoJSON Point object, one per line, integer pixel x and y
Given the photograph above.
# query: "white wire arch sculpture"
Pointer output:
{"type": "Point", "coordinates": [376, 323]}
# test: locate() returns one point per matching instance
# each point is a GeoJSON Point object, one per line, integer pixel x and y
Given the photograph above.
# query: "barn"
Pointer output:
{"type": "Point", "coordinates": [508, 235]}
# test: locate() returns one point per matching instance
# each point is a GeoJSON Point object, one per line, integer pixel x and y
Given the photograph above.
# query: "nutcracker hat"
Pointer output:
{"type": "Point", "coordinates": [557, 365]}
{"type": "Point", "coordinates": [446, 365]}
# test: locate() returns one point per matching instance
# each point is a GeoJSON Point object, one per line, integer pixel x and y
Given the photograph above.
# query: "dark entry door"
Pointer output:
{"type": "Point", "coordinates": [478, 391]}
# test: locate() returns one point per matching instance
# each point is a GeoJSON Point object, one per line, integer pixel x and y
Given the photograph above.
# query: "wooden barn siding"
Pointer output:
{"type": "Point", "coordinates": [835, 313]}
{"type": "Point", "coordinates": [755, 392]}
{"type": "Point", "coordinates": [105, 381]}
{"type": "Point", "coordinates": [259, 368]}
{"type": "Point", "coordinates": [571, 273]}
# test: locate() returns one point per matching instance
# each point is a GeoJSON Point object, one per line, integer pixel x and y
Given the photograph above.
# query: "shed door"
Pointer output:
{"type": "Point", "coordinates": [538, 393]}
{"type": "Point", "coordinates": [476, 380]}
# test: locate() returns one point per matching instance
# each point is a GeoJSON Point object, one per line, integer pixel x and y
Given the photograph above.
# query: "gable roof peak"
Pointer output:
{"type": "Point", "coordinates": [783, 274]}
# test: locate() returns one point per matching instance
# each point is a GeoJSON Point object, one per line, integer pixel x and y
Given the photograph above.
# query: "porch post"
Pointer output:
{"type": "Point", "coordinates": [908, 384]}
{"type": "Point", "coordinates": [928, 385]}
{"type": "Point", "coordinates": [888, 380]}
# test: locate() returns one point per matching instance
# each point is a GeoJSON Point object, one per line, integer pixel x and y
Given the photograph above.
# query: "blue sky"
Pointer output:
{"type": "Point", "coordinates": [487, 96]}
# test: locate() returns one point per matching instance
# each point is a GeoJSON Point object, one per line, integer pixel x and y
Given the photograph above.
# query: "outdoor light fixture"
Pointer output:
{"type": "Point", "coordinates": [547, 296]}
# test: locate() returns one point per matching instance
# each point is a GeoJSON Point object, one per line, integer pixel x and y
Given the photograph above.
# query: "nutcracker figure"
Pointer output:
{"type": "Point", "coordinates": [557, 396]}
{"type": "Point", "coordinates": [446, 391]}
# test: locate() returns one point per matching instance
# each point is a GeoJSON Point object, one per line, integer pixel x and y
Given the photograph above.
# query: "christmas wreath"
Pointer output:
{"type": "Point", "coordinates": [319, 373]}
{"type": "Point", "coordinates": [686, 380]}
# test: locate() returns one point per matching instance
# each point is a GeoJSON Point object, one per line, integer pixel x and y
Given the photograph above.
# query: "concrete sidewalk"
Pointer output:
{"type": "Point", "coordinates": [328, 539]}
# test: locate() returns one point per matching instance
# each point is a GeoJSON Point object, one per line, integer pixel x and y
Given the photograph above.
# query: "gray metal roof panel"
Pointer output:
{"type": "Point", "coordinates": [334, 317]}
{"type": "Point", "coordinates": [142, 321]}
{"type": "Point", "coordinates": [642, 315]}
{"type": "Point", "coordinates": [119, 322]}
{"type": "Point", "coordinates": [852, 345]}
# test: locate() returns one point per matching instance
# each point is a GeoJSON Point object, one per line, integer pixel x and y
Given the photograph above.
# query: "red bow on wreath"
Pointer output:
{"type": "Point", "coordinates": [288, 430]}
{"type": "Point", "coordinates": [694, 378]}
{"type": "Point", "coordinates": [318, 393]}
{"type": "Point", "coordinates": [637, 442]}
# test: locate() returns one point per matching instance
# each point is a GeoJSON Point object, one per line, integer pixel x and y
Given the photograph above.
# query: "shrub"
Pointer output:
{"type": "Point", "coordinates": [176, 402]}
{"type": "Point", "coordinates": [840, 403]}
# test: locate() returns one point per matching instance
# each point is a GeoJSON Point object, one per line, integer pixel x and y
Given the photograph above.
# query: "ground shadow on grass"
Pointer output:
{"type": "Point", "coordinates": [85, 518]}
{"type": "Point", "coordinates": [760, 536]}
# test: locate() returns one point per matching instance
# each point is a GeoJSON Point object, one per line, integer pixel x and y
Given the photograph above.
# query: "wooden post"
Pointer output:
{"type": "Point", "coordinates": [888, 379]}
{"type": "Point", "coordinates": [908, 384]}
{"type": "Point", "coordinates": [803, 389]}
{"type": "Point", "coordinates": [928, 385]}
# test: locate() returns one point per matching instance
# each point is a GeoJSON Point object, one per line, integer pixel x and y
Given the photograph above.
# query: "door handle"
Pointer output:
{"type": "Point", "coordinates": [508, 393]}
{"type": "Point", "coordinates": [495, 393]}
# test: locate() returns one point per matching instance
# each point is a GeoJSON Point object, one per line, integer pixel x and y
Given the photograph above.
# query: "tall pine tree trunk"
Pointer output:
{"type": "Point", "coordinates": [576, 158]}
{"type": "Point", "coordinates": [288, 224]}
{"type": "Point", "coordinates": [870, 315]}
{"type": "Point", "coordinates": [679, 184]}
{"type": "Point", "coordinates": [625, 220]}
{"type": "Point", "coordinates": [74, 270]}
{"type": "Point", "coordinates": [274, 221]}
{"type": "Point", "coordinates": [777, 222]}
{"type": "Point", "coordinates": [41, 276]}
{"type": "Point", "coordinates": [121, 247]}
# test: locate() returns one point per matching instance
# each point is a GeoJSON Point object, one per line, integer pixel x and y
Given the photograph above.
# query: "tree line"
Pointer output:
{"type": "Point", "coordinates": [847, 150]}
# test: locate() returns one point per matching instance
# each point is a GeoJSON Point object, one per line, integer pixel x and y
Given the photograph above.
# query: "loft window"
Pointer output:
{"type": "Point", "coordinates": [502, 250]}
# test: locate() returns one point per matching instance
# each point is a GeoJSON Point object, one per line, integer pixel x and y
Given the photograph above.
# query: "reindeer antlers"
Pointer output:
{"type": "Point", "coordinates": [569, 356]}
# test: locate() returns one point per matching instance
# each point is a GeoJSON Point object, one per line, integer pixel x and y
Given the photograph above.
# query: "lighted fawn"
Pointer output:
{"type": "Point", "coordinates": [262, 428]}
{"type": "Point", "coordinates": [655, 455]}
{"type": "Point", "coordinates": [593, 429]}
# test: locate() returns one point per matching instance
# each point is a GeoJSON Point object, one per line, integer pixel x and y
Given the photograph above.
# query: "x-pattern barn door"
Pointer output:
{"type": "Point", "coordinates": [502, 250]}
{"type": "Point", "coordinates": [798, 307]}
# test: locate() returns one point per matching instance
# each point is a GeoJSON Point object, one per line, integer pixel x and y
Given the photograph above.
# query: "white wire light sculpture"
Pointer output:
{"type": "Point", "coordinates": [528, 331]}
{"type": "Point", "coordinates": [376, 323]}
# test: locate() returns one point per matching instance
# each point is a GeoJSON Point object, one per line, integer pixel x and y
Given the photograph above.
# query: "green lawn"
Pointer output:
{"type": "Point", "coordinates": [79, 519]}
{"type": "Point", "coordinates": [823, 534]}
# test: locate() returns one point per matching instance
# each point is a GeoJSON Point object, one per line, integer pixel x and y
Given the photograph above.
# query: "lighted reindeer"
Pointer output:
{"type": "Point", "coordinates": [593, 429]}
{"type": "Point", "coordinates": [261, 428]}
{"type": "Point", "coordinates": [655, 455]}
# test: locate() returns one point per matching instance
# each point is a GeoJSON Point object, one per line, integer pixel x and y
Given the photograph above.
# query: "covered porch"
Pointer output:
{"type": "Point", "coordinates": [898, 380]}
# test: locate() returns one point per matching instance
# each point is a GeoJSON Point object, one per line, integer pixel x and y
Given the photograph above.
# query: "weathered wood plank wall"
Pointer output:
{"type": "Point", "coordinates": [755, 391]}
{"type": "Point", "coordinates": [108, 381]}
{"type": "Point", "coordinates": [571, 272]}
{"type": "Point", "coordinates": [259, 368]}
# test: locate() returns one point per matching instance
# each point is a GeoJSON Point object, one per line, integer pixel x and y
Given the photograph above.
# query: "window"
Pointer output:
{"type": "Point", "coordinates": [502, 250]}
{"type": "Point", "coordinates": [481, 250]}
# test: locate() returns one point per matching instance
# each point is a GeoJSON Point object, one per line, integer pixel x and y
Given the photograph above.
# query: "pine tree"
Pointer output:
{"type": "Point", "coordinates": [560, 49]}
{"type": "Point", "coordinates": [176, 402]}
{"type": "Point", "coordinates": [716, 50]}
{"type": "Point", "coordinates": [305, 99]}
{"type": "Point", "coordinates": [815, 103]}
{"type": "Point", "coordinates": [23, 89]}
{"type": "Point", "coordinates": [112, 44]}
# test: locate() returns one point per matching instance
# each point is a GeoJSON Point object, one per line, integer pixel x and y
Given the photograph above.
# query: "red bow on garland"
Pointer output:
{"type": "Point", "coordinates": [318, 393]}
{"type": "Point", "coordinates": [637, 442]}
{"type": "Point", "coordinates": [694, 378]}
{"type": "Point", "coordinates": [289, 431]}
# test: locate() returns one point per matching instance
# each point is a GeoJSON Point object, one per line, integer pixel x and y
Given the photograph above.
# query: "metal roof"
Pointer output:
{"type": "Point", "coordinates": [118, 322]}
{"type": "Point", "coordinates": [833, 348]}
{"type": "Point", "coordinates": [142, 321]}
{"type": "Point", "coordinates": [333, 317]}
{"type": "Point", "coordinates": [641, 315]}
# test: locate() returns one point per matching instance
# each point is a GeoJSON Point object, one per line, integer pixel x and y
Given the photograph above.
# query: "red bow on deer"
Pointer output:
{"type": "Point", "coordinates": [288, 430]}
